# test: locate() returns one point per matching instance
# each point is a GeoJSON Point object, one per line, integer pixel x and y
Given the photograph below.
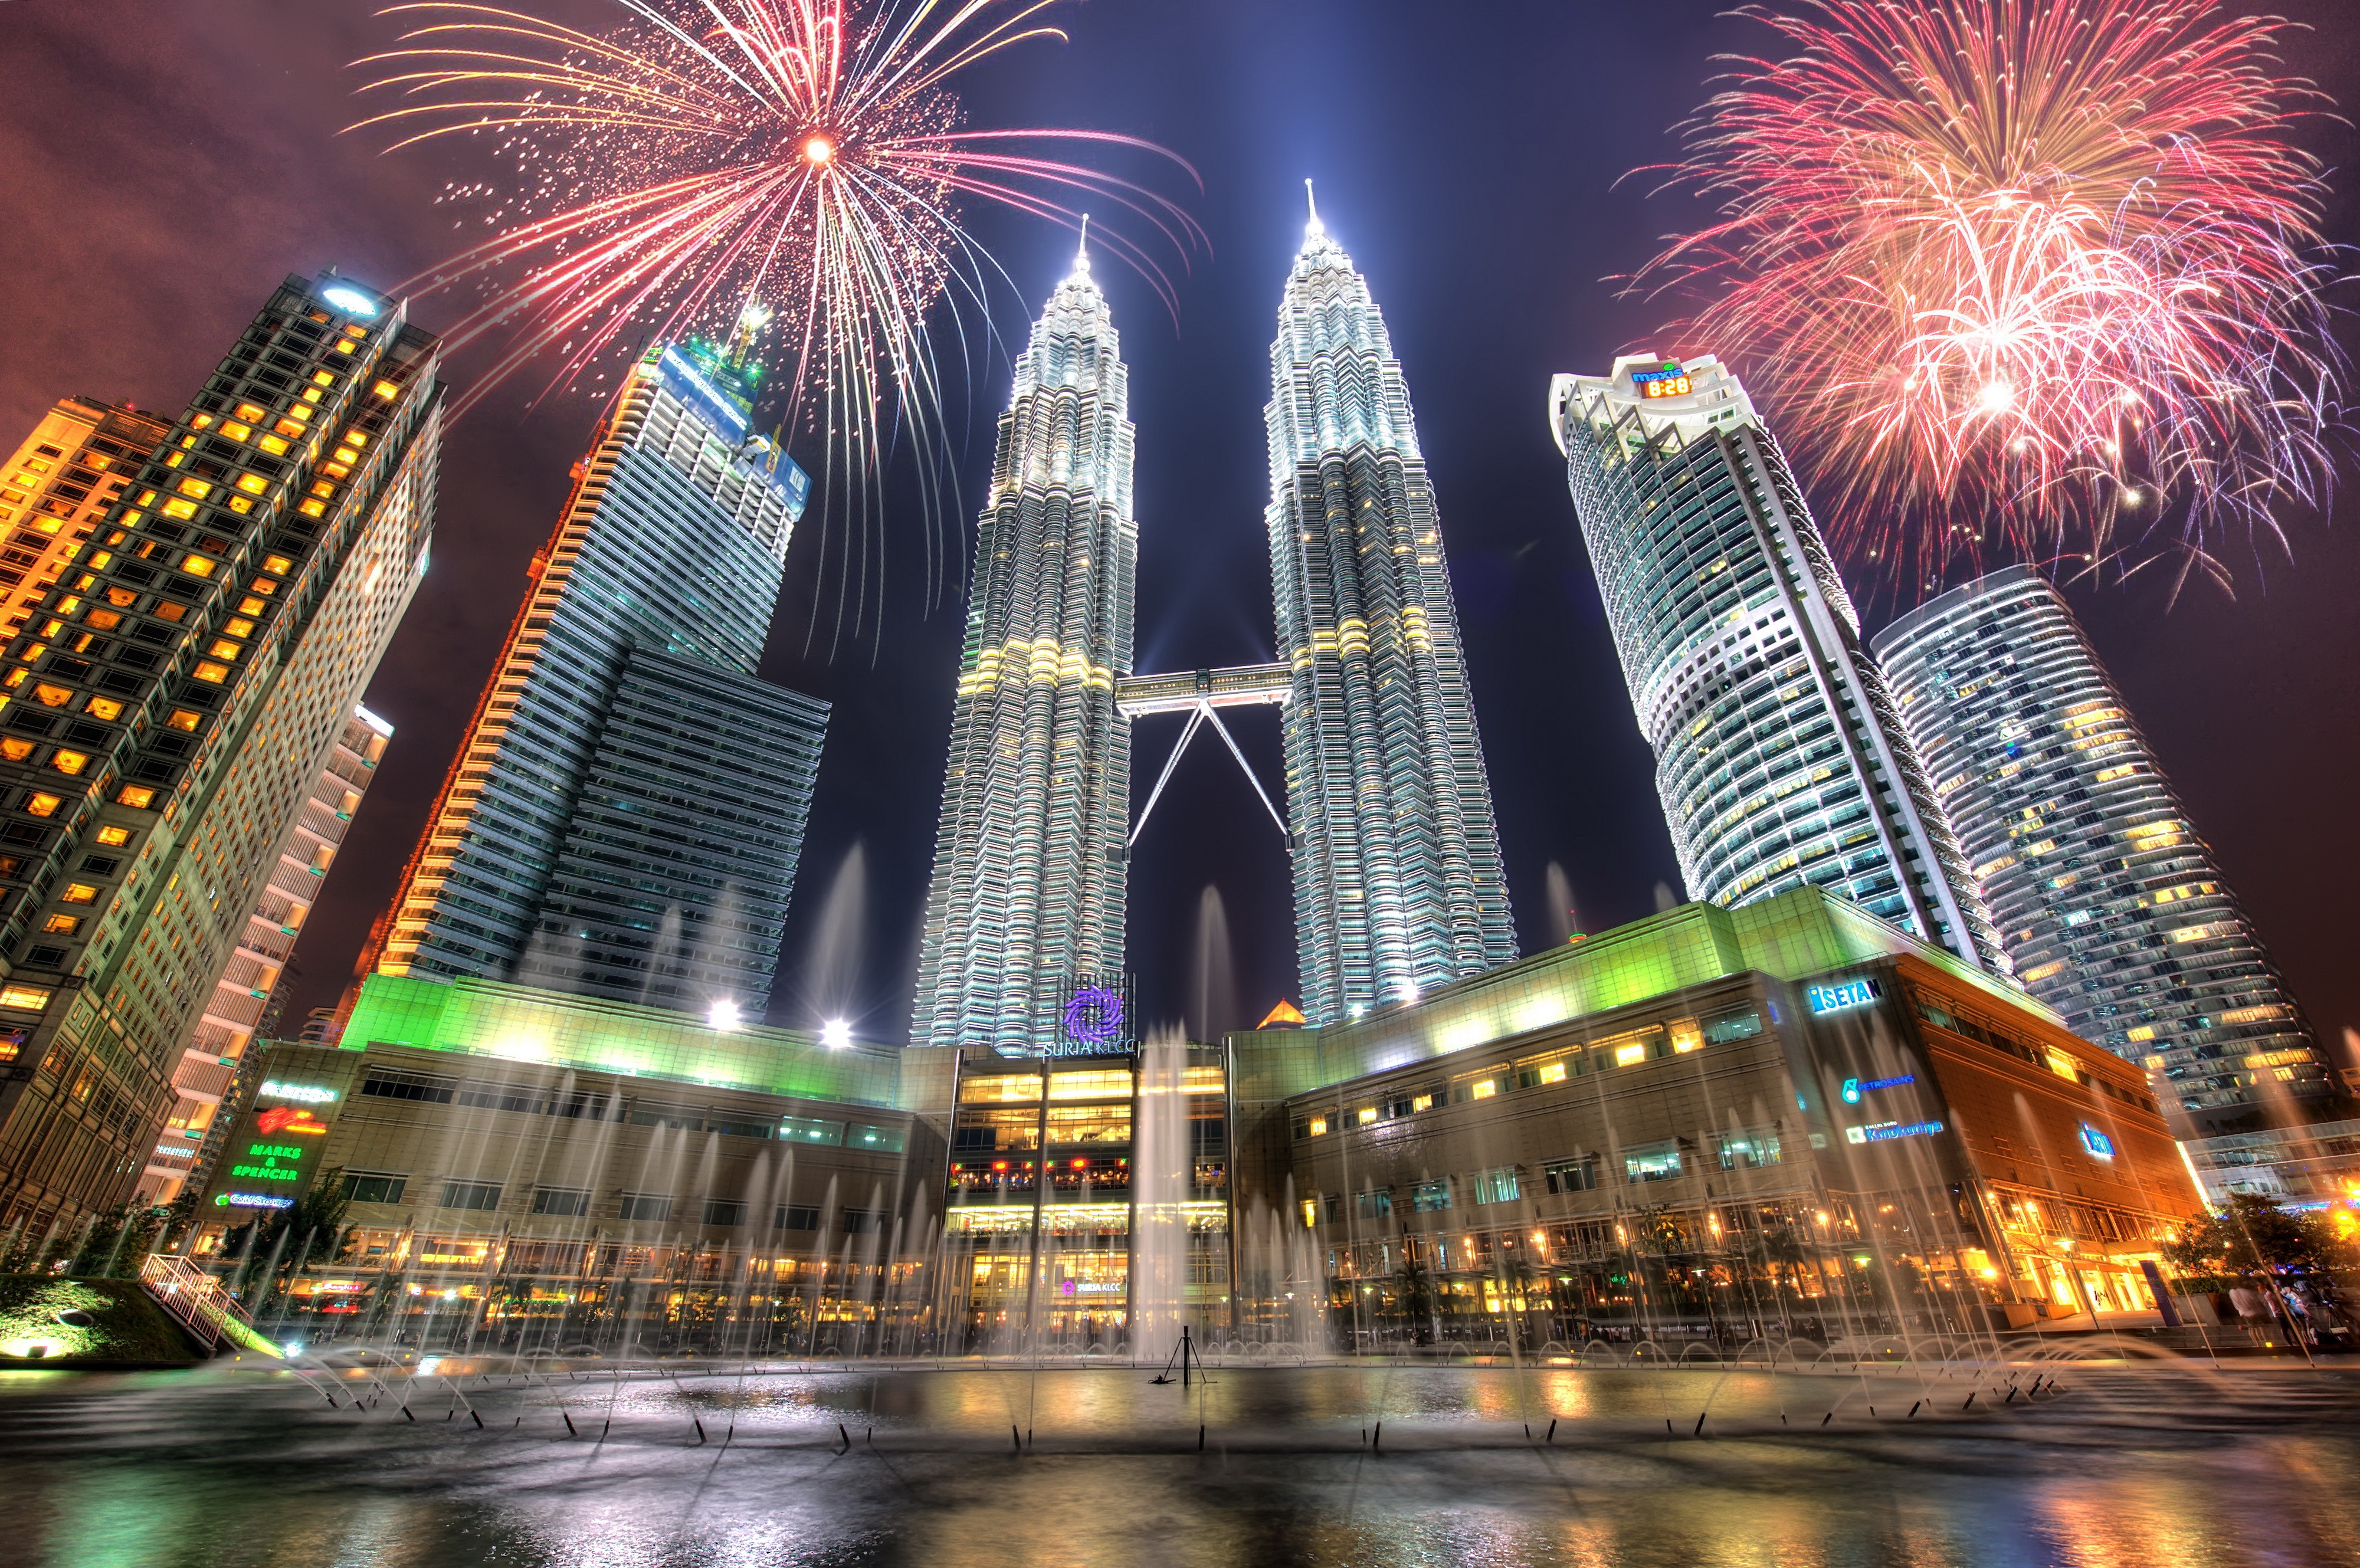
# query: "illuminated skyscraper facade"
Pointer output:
{"type": "Point", "coordinates": [241, 1005]}
{"type": "Point", "coordinates": [2113, 910]}
{"type": "Point", "coordinates": [1398, 885]}
{"type": "Point", "coordinates": [1029, 877]}
{"type": "Point", "coordinates": [1779, 758]}
{"type": "Point", "coordinates": [626, 814]}
{"type": "Point", "coordinates": [169, 706]}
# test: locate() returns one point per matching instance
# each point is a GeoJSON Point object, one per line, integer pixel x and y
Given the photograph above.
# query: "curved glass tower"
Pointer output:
{"type": "Point", "coordinates": [1028, 876]}
{"type": "Point", "coordinates": [1778, 756]}
{"type": "Point", "coordinates": [1397, 879]}
{"type": "Point", "coordinates": [2113, 911]}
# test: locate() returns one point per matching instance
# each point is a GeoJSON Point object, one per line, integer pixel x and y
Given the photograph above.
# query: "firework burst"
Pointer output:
{"type": "Point", "coordinates": [718, 167]}
{"type": "Point", "coordinates": [2030, 278]}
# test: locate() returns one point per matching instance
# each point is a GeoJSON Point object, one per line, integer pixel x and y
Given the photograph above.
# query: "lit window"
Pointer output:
{"type": "Point", "coordinates": [323, 378]}
{"type": "Point", "coordinates": [135, 796]}
{"type": "Point", "coordinates": [102, 708]}
{"type": "Point", "coordinates": [114, 835]}
{"type": "Point", "coordinates": [224, 649]}
{"type": "Point", "coordinates": [50, 696]}
{"type": "Point", "coordinates": [32, 998]}
{"type": "Point", "coordinates": [201, 421]}
{"type": "Point", "coordinates": [176, 508]}
{"type": "Point", "coordinates": [15, 750]}
{"type": "Point", "coordinates": [236, 432]}
{"type": "Point", "coordinates": [198, 565]}
{"type": "Point", "coordinates": [273, 445]}
{"type": "Point", "coordinates": [168, 609]}
{"type": "Point", "coordinates": [70, 763]}
{"type": "Point", "coordinates": [196, 487]}
{"type": "Point", "coordinates": [265, 585]}
{"type": "Point", "coordinates": [103, 620]}
{"type": "Point", "coordinates": [183, 719]}
{"type": "Point", "coordinates": [336, 470]}
{"type": "Point", "coordinates": [216, 673]}
{"type": "Point", "coordinates": [252, 483]}
{"type": "Point", "coordinates": [61, 925]}
{"type": "Point", "coordinates": [239, 628]}
{"type": "Point", "coordinates": [251, 606]}
{"type": "Point", "coordinates": [250, 411]}
{"type": "Point", "coordinates": [387, 389]}
{"type": "Point", "coordinates": [312, 507]}
{"type": "Point", "coordinates": [79, 893]}
{"type": "Point", "coordinates": [1627, 1055]}
{"type": "Point", "coordinates": [277, 563]}
{"type": "Point", "coordinates": [44, 804]}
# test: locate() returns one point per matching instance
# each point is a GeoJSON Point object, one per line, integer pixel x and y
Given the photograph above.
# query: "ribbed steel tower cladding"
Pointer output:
{"type": "Point", "coordinates": [1397, 879]}
{"type": "Point", "coordinates": [1029, 869]}
{"type": "Point", "coordinates": [2113, 910]}
{"type": "Point", "coordinates": [1779, 757]}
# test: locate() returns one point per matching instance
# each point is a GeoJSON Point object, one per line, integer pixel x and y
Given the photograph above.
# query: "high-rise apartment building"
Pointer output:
{"type": "Point", "coordinates": [1779, 758]}
{"type": "Point", "coordinates": [241, 1005]}
{"type": "Point", "coordinates": [624, 817]}
{"type": "Point", "coordinates": [1029, 876]}
{"type": "Point", "coordinates": [2113, 910]}
{"type": "Point", "coordinates": [57, 490]}
{"type": "Point", "coordinates": [169, 708]}
{"type": "Point", "coordinates": [1398, 885]}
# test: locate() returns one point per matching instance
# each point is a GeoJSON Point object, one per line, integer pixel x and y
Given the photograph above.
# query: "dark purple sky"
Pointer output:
{"type": "Point", "coordinates": [164, 162]}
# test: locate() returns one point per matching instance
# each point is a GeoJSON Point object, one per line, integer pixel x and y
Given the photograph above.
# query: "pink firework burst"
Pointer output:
{"type": "Point", "coordinates": [2027, 278]}
{"type": "Point", "coordinates": [727, 167]}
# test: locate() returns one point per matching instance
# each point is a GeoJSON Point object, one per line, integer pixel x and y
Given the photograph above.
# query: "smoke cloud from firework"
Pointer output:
{"type": "Point", "coordinates": [727, 167]}
{"type": "Point", "coordinates": [2024, 279]}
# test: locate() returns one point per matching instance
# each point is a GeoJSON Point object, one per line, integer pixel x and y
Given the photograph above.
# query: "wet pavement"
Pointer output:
{"type": "Point", "coordinates": [2105, 1466]}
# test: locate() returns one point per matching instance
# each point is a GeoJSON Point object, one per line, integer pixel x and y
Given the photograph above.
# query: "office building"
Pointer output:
{"type": "Point", "coordinates": [244, 1001]}
{"type": "Point", "coordinates": [2112, 908]}
{"type": "Point", "coordinates": [1398, 885]}
{"type": "Point", "coordinates": [624, 817]}
{"type": "Point", "coordinates": [169, 707]}
{"type": "Point", "coordinates": [1779, 759]}
{"type": "Point", "coordinates": [1029, 880]}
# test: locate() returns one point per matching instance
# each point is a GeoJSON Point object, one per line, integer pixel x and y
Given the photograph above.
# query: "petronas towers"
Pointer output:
{"type": "Point", "coordinates": [1028, 886]}
{"type": "Point", "coordinates": [1396, 862]}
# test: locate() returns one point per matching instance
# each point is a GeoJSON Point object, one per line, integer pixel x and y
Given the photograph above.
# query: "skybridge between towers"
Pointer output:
{"type": "Point", "coordinates": [1197, 693]}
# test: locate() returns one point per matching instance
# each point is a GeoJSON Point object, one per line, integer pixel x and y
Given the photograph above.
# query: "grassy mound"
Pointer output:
{"type": "Point", "coordinates": [78, 1321]}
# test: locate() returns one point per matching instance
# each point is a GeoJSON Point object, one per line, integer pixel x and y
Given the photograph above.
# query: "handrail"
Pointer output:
{"type": "Point", "coordinates": [190, 1295]}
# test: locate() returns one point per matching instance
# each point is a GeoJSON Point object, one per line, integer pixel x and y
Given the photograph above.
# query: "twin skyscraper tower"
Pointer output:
{"type": "Point", "coordinates": [1398, 885]}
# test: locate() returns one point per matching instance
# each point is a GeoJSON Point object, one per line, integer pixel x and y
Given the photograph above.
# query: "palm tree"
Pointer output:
{"type": "Point", "coordinates": [1413, 1287]}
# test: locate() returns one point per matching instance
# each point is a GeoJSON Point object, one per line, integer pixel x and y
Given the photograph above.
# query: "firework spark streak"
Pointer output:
{"type": "Point", "coordinates": [2039, 279]}
{"type": "Point", "coordinates": [717, 166]}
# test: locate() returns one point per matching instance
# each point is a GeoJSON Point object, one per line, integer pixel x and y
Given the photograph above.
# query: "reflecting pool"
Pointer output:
{"type": "Point", "coordinates": [2105, 1466]}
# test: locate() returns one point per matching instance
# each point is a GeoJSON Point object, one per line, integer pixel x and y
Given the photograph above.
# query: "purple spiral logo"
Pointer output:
{"type": "Point", "coordinates": [1094, 1016]}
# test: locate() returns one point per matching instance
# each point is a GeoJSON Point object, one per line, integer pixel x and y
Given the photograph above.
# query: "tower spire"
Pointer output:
{"type": "Point", "coordinates": [1082, 251]}
{"type": "Point", "coordinates": [1312, 197]}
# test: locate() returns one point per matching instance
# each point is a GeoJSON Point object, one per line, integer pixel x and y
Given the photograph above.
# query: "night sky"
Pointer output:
{"type": "Point", "coordinates": [164, 162]}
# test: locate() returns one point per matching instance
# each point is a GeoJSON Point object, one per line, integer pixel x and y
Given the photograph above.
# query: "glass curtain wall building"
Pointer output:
{"type": "Point", "coordinates": [1398, 885]}
{"type": "Point", "coordinates": [169, 707]}
{"type": "Point", "coordinates": [2113, 910]}
{"type": "Point", "coordinates": [1779, 758]}
{"type": "Point", "coordinates": [1029, 875]}
{"type": "Point", "coordinates": [624, 818]}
